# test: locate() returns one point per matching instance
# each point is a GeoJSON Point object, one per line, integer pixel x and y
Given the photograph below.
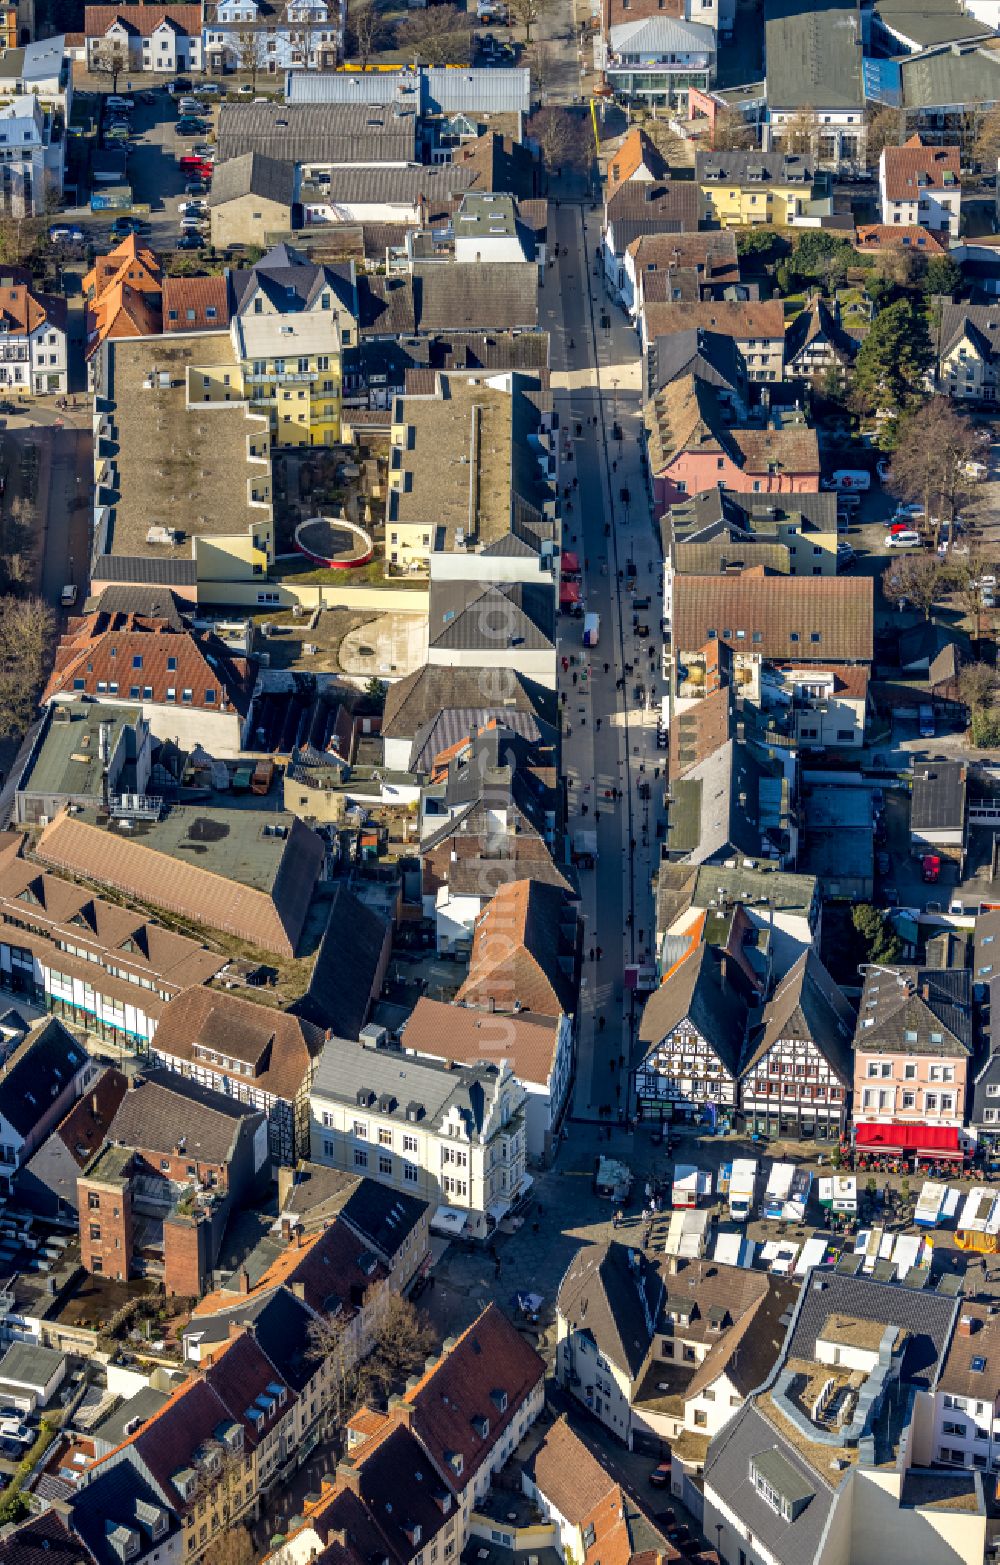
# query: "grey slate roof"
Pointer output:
{"type": "Point", "coordinates": [144, 571]}
{"type": "Point", "coordinates": [318, 133]}
{"type": "Point", "coordinates": [937, 801]}
{"type": "Point", "coordinates": [951, 74]}
{"type": "Point", "coordinates": [398, 186]}
{"type": "Point", "coordinates": [253, 174]}
{"type": "Point", "coordinates": [111, 1431]}
{"type": "Point", "coordinates": [711, 355]}
{"type": "Point", "coordinates": [980, 322]}
{"type": "Point", "coordinates": [475, 297]}
{"type": "Point", "coordinates": [603, 1293]}
{"type": "Point", "coordinates": [727, 1472]}
{"type": "Point", "coordinates": [813, 55]}
{"type": "Point", "coordinates": [808, 1005]}
{"type": "Point", "coordinates": [344, 1068]}
{"type": "Point", "coordinates": [929, 22]}
{"type": "Point", "coordinates": [164, 1109]}
{"type": "Point", "coordinates": [281, 1323]}
{"type": "Point", "coordinates": [466, 615]}
{"type": "Point", "coordinates": [420, 697]}
{"type": "Point", "coordinates": [932, 1005]}
{"type": "Point", "coordinates": [697, 991]}
{"type": "Point", "coordinates": [722, 803]}
{"type": "Point", "coordinates": [26, 1364]}
{"type": "Point", "coordinates": [769, 168]}
{"type": "Point", "coordinates": [347, 966]}
{"type": "Point", "coordinates": [37, 1072]}
{"type": "Point", "coordinates": [925, 1314]}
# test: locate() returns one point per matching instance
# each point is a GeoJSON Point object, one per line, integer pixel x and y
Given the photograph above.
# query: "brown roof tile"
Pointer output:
{"type": "Point", "coordinates": [635, 152]}
{"type": "Point", "coordinates": [489, 1362]}
{"type": "Point", "coordinates": [101, 649]}
{"type": "Point", "coordinates": [914, 167]}
{"type": "Point", "coordinates": [787, 611]}
{"type": "Point", "coordinates": [908, 236]}
{"type": "Point", "coordinates": [976, 1336]}
{"type": "Point", "coordinates": [272, 920]}
{"type": "Point", "coordinates": [85, 1127]}
{"type": "Point", "coordinates": [23, 310]}
{"type": "Point", "coordinates": [187, 301]}
{"type": "Point", "coordinates": [143, 19]}
{"type": "Point", "coordinates": [279, 1047]}
{"type": "Point", "coordinates": [568, 1476]}
{"type": "Point", "coordinates": [742, 320]}
{"type": "Point", "coordinates": [456, 1032]}
{"type": "Point", "coordinates": [525, 950]}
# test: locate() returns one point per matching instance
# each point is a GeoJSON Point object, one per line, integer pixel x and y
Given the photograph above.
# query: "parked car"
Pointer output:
{"type": "Point", "coordinates": [66, 233]}
{"type": "Point", "coordinates": [180, 84]}
{"type": "Point", "coordinates": [902, 540]}
{"type": "Point", "coordinates": [208, 90]}
{"type": "Point", "coordinates": [193, 209]}
{"type": "Point", "coordinates": [908, 511]}
{"type": "Point", "coordinates": [191, 242]}
{"type": "Point", "coordinates": [660, 1476]}
{"type": "Point", "coordinates": [204, 149]}
{"type": "Point", "coordinates": [196, 187]}
{"type": "Point", "coordinates": [883, 862]}
{"type": "Point", "coordinates": [123, 226]}
{"type": "Point", "coordinates": [190, 128]}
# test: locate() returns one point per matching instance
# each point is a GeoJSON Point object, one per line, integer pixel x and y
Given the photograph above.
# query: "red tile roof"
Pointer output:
{"type": "Point", "coordinates": [100, 650]}
{"type": "Point", "coordinates": [195, 304]}
{"type": "Point", "coordinates": [141, 19]}
{"type": "Point", "coordinates": [904, 236]}
{"type": "Point", "coordinates": [519, 947]}
{"type": "Point", "coordinates": [914, 167]}
{"type": "Point", "coordinates": [456, 1032]}
{"type": "Point", "coordinates": [468, 1400]}
{"type": "Point", "coordinates": [280, 1048]}
{"type": "Point", "coordinates": [22, 311]}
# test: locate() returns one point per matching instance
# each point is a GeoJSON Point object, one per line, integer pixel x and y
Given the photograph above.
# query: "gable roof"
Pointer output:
{"type": "Point", "coordinates": [613, 1293]}
{"type": "Point", "coordinates": [489, 1373]}
{"type": "Point", "coordinates": [741, 319]}
{"type": "Point", "coordinates": [102, 648]}
{"type": "Point", "coordinates": [344, 133]}
{"type": "Point", "coordinates": [815, 321]}
{"type": "Point", "coordinates": [23, 311]}
{"type": "Point", "coordinates": [458, 1032]}
{"type": "Point", "coordinates": [162, 1111]}
{"type": "Point", "coordinates": [279, 1047]}
{"type": "Point", "coordinates": [635, 152]}
{"type": "Point", "coordinates": [253, 174]}
{"type": "Point", "coordinates": [567, 1474]}
{"type": "Point", "coordinates": [808, 1005]}
{"type": "Point", "coordinates": [903, 236]}
{"type": "Point", "coordinates": [464, 615]}
{"type": "Point", "coordinates": [811, 618]}
{"type": "Point", "coordinates": [142, 19]}
{"type": "Point", "coordinates": [419, 697]}
{"type": "Point", "coordinates": [704, 989]}
{"type": "Point", "coordinates": [535, 963]}
{"type": "Point", "coordinates": [915, 1010]}
{"type": "Point", "coordinates": [195, 304]}
{"type": "Point", "coordinates": [915, 167]}
{"type": "Point", "coordinates": [39, 1070]}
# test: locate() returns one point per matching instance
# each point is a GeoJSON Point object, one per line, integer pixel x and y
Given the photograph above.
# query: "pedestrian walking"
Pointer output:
{"type": "Point", "coordinates": [600, 1024]}
{"type": "Point", "coordinates": [607, 668]}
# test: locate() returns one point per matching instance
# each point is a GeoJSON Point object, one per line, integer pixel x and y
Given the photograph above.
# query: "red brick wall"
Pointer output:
{"type": "Point", "coordinates": [185, 1256]}
{"type": "Point", "coordinates": [106, 1230]}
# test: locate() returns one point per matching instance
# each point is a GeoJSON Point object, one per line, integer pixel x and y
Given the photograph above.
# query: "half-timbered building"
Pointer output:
{"type": "Point", "coordinates": [797, 1079]}
{"type": "Point", "coordinates": [692, 1035]}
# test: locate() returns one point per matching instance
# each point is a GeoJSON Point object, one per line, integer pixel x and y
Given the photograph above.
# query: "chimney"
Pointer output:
{"type": "Point", "coordinates": [674, 1266]}
{"type": "Point", "coordinates": [404, 1415]}
{"type": "Point", "coordinates": [925, 990]}
{"type": "Point", "coordinates": [300, 1237]}
{"type": "Point", "coordinates": [286, 1229]}
{"type": "Point", "coordinates": [967, 1326]}
{"type": "Point", "coordinates": [94, 1106]}
{"type": "Point", "coordinates": [244, 1280]}
{"type": "Point", "coordinates": [299, 1290]}
{"type": "Point", "coordinates": [235, 1327]}
{"type": "Point", "coordinates": [349, 1476]}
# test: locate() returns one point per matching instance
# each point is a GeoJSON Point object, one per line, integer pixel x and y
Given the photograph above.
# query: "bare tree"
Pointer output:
{"type": "Point", "coordinates": [563, 137]}
{"type": "Point", "coordinates": [915, 579]}
{"type": "Point", "coordinates": [935, 443]}
{"type": "Point", "coordinates": [799, 131]}
{"type": "Point", "coordinates": [396, 1344]}
{"type": "Point", "coordinates": [109, 57]}
{"type": "Point", "coordinates": [665, 139]}
{"type": "Point", "coordinates": [886, 127]}
{"type": "Point", "coordinates": [26, 630]}
{"type": "Point", "coordinates": [365, 31]}
{"type": "Point", "coordinates": [232, 1547]}
{"type": "Point", "coordinates": [732, 132]}
{"type": "Point", "coordinates": [977, 685]}
{"type": "Point", "coordinates": [440, 35]}
{"type": "Point", "coordinates": [300, 28]}
{"type": "Point", "coordinates": [528, 12]}
{"type": "Point", "coordinates": [250, 47]}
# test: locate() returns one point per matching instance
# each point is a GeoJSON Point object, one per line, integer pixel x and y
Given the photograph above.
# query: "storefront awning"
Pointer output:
{"type": "Point", "coordinates": [569, 592]}
{"type": "Point", "coordinates": [569, 563]}
{"type": "Point", "coordinates": [497, 1210]}
{"type": "Point", "coordinates": [449, 1220]}
{"type": "Point", "coordinates": [923, 1140]}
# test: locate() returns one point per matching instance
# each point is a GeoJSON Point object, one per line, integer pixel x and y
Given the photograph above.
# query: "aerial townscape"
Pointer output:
{"type": "Point", "coordinates": [500, 782]}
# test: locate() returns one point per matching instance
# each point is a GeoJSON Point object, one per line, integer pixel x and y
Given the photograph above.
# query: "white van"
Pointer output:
{"type": "Point", "coordinates": [115, 101]}
{"type": "Point", "coordinates": [852, 478]}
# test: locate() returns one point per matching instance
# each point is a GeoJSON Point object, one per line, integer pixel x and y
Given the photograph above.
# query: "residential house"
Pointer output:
{"type": "Point", "coordinates": [133, 38]}
{"type": "Point", "coordinates": [33, 351]}
{"type": "Point", "coordinates": [384, 195]}
{"type": "Point", "coordinates": [783, 1482]}
{"type": "Point", "coordinates": [260, 36]}
{"type": "Point", "coordinates": [394, 1225]}
{"type": "Point", "coordinates": [692, 1035]}
{"type": "Point", "coordinates": [186, 1157]}
{"type": "Point", "coordinates": [709, 356]}
{"type": "Point", "coordinates": [607, 1309]}
{"type": "Point", "coordinates": [713, 1344]}
{"type": "Point", "coordinates": [966, 1405]}
{"type": "Point", "coordinates": [967, 345]}
{"type": "Point", "coordinates": [188, 686]}
{"type": "Point", "coordinates": [636, 159]}
{"type": "Point", "coordinates": [668, 206]}
{"type": "Point", "coordinates": [880, 238]}
{"type": "Point", "coordinates": [420, 706]}
{"type": "Point", "coordinates": [40, 69]}
{"type": "Point", "coordinates": [984, 1107]}
{"type": "Point", "coordinates": [195, 304]}
{"type": "Point", "coordinates": [47, 1183]}
{"type": "Point", "coordinates": [507, 627]}
{"type": "Point", "coordinates": [535, 965]}
{"type": "Point", "coordinates": [262, 1057]}
{"type": "Point", "coordinates": [487, 227]}
{"type": "Point", "coordinates": [500, 431]}
{"type": "Point", "coordinates": [825, 708]}
{"type": "Point", "coordinates": [121, 1509]}
{"type": "Point", "coordinates": [593, 1517]}
{"type": "Point", "coordinates": [816, 345]}
{"type": "Point", "coordinates": [538, 1048]}
{"type": "Point", "coordinates": [691, 444]}
{"type": "Point", "coordinates": [758, 329]}
{"type": "Point", "coordinates": [736, 800]}
{"type": "Point", "coordinates": [939, 813]}
{"type": "Point", "coordinates": [920, 186]}
{"type": "Point", "coordinates": [745, 189]}
{"type": "Point", "coordinates": [794, 620]}
{"type": "Point", "coordinates": [216, 1449]}
{"type": "Point", "coordinates": [123, 294]}
{"type": "Point", "coordinates": [31, 175]}
{"type": "Point", "coordinates": [452, 1137]}
{"type": "Point", "coordinates": [498, 161]}
{"type": "Point", "coordinates": [251, 199]}
{"type": "Point", "coordinates": [813, 81]}
{"type": "Point", "coordinates": [44, 1071]}
{"type": "Point", "coordinates": [705, 264]}
{"type": "Point", "coordinates": [797, 1078]}
{"type": "Point", "coordinates": [654, 61]}
{"type": "Point", "coordinates": [912, 1054]}
{"type": "Point", "coordinates": [43, 1534]}
{"type": "Point", "coordinates": [483, 828]}
{"type": "Point", "coordinates": [782, 907]}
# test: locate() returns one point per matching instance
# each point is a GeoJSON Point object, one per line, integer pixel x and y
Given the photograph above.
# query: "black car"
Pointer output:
{"type": "Point", "coordinates": [191, 242]}
{"type": "Point", "coordinates": [195, 187]}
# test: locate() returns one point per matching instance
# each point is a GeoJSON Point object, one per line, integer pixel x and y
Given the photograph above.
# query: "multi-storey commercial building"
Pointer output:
{"type": "Point", "coordinates": [797, 1080]}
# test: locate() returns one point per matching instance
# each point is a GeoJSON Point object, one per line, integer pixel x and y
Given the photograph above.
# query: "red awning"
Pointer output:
{"type": "Point", "coordinates": [569, 592]}
{"type": "Point", "coordinates": [924, 1140]}
{"type": "Point", "coordinates": [569, 564]}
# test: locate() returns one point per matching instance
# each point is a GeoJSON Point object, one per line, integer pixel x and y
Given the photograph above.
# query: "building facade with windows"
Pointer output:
{"type": "Point", "coordinates": [797, 1081]}
{"type": "Point", "coordinates": [259, 37]}
{"type": "Point", "coordinates": [455, 1138]}
{"type": "Point", "coordinates": [966, 1397]}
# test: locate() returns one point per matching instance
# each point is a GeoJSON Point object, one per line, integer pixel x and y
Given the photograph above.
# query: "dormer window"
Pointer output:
{"type": "Point", "coordinates": [481, 1425]}
{"type": "Point", "coordinates": [499, 1399]}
